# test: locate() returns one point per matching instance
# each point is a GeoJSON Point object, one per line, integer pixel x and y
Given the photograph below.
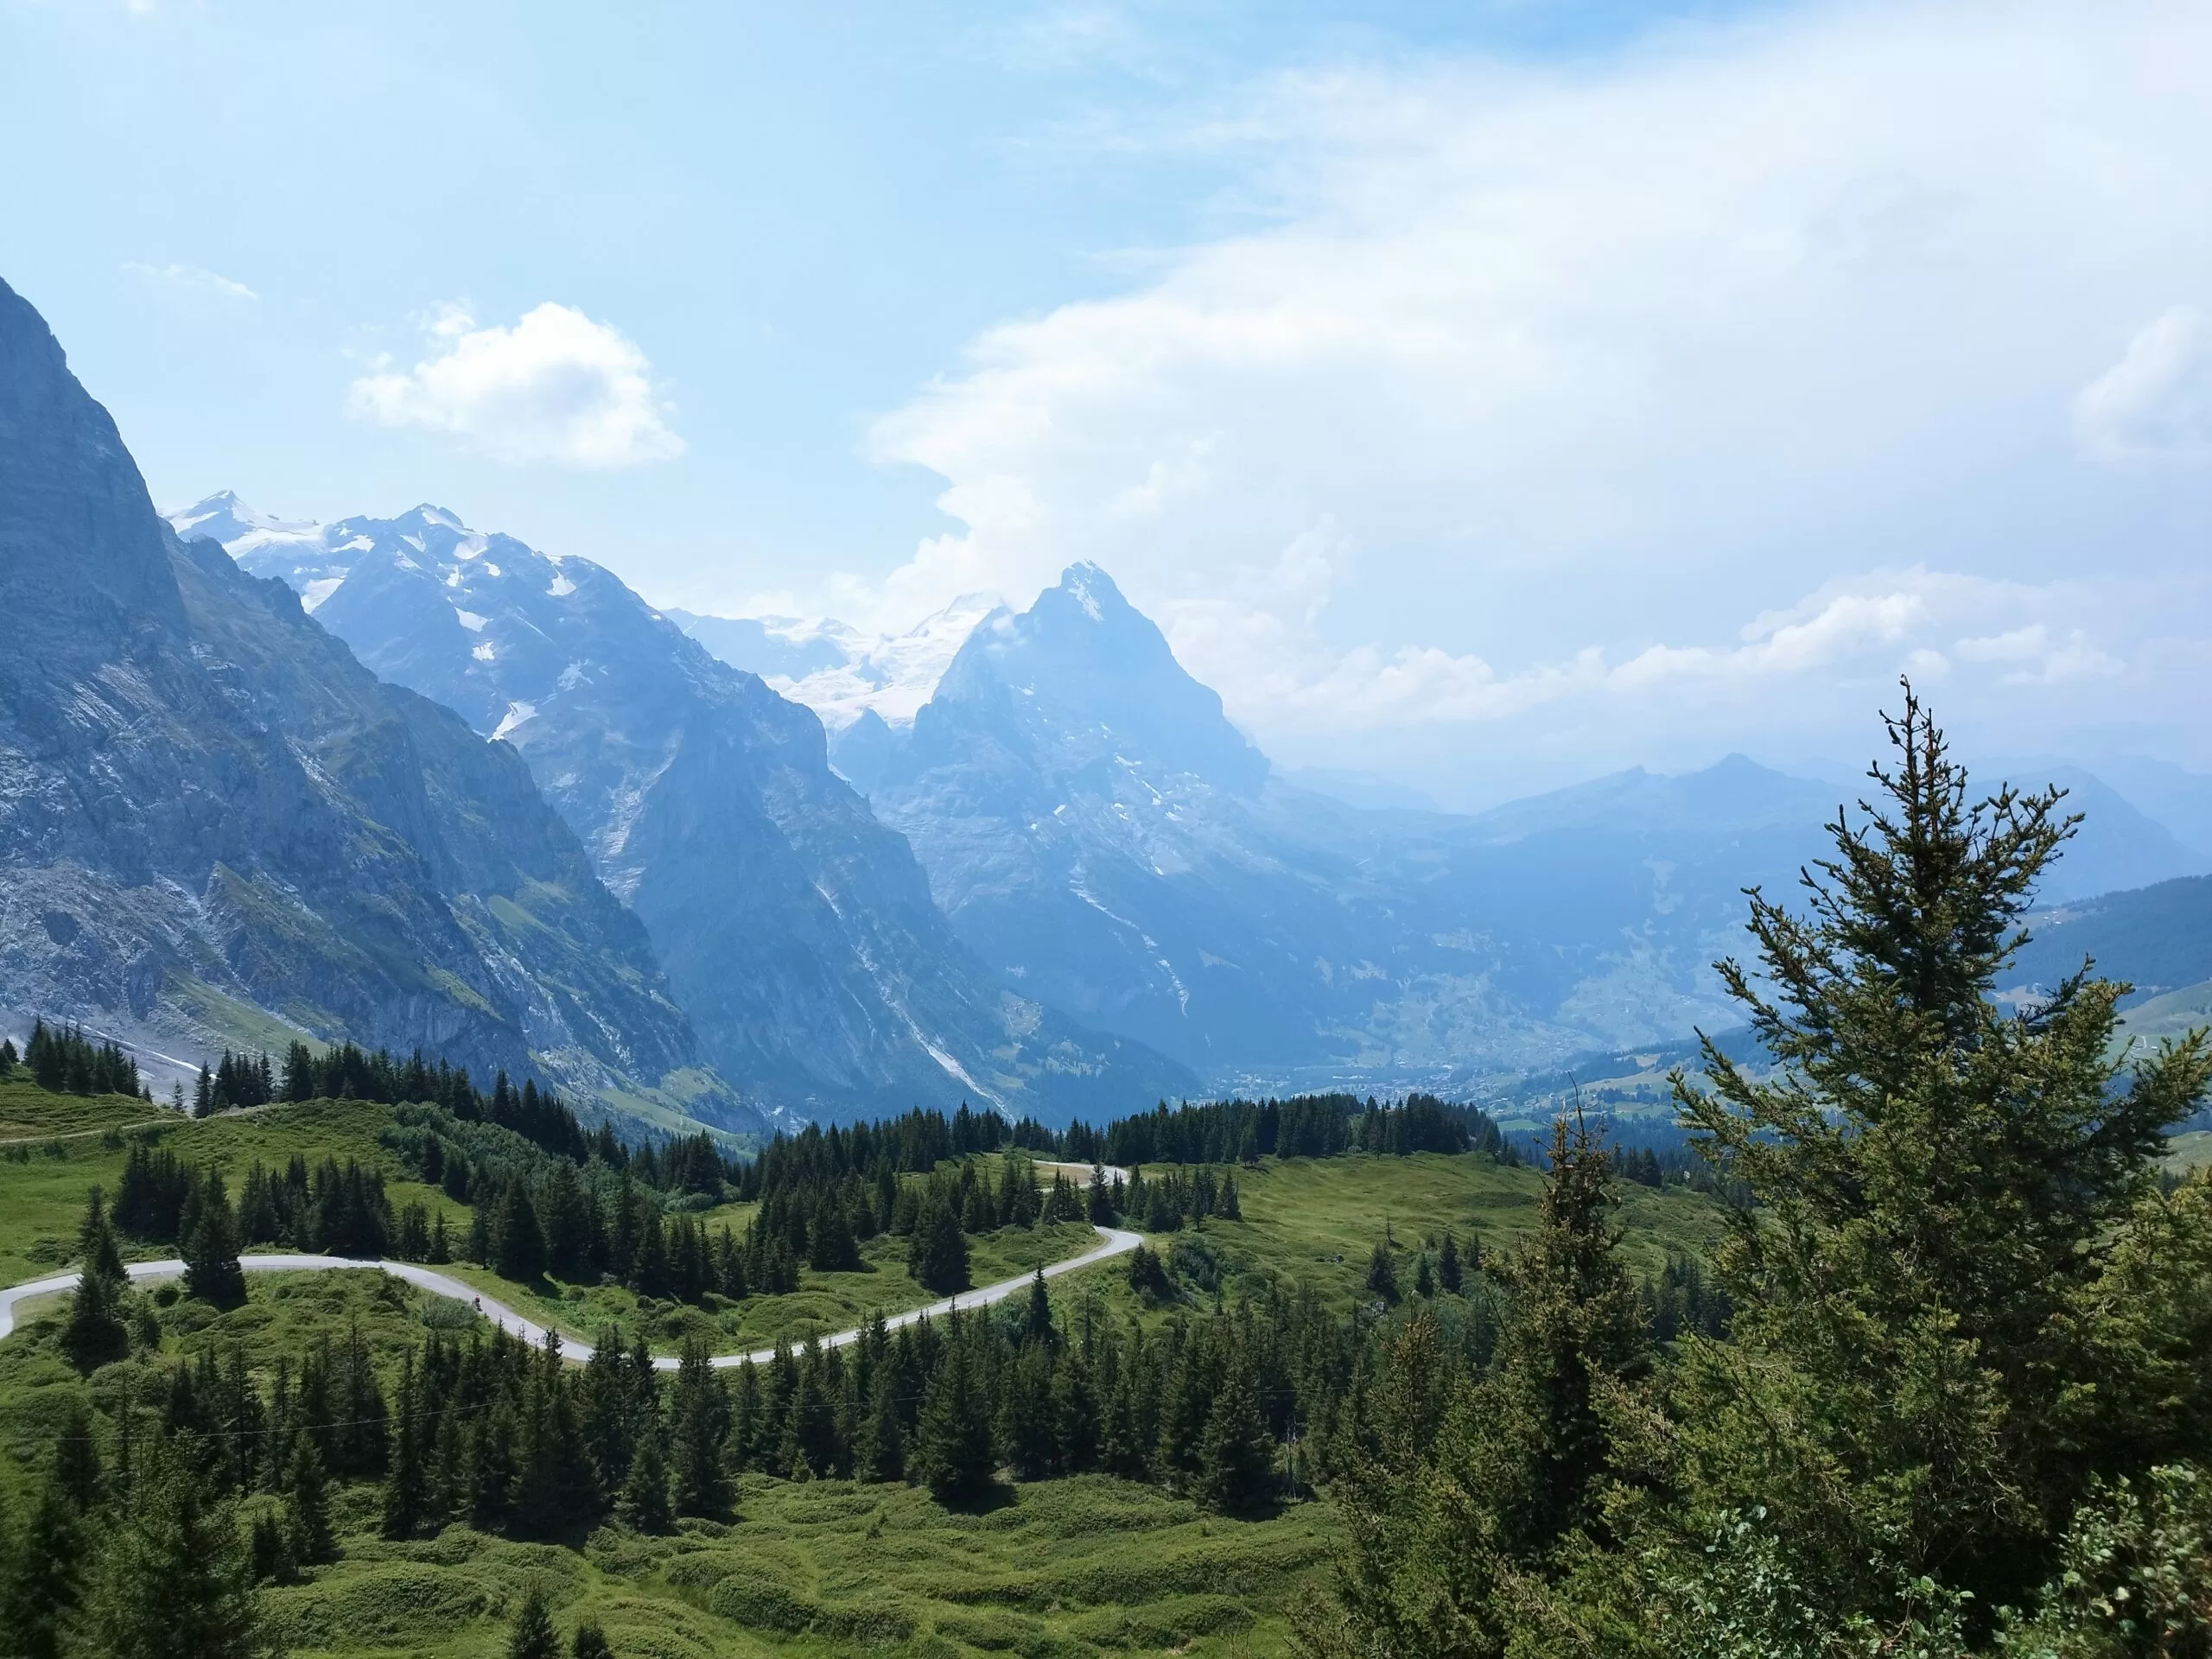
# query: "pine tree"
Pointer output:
{"type": "Point", "coordinates": [645, 1502]}
{"type": "Point", "coordinates": [699, 1413]}
{"type": "Point", "coordinates": [42, 1585]}
{"type": "Point", "coordinates": [1099, 1201]}
{"type": "Point", "coordinates": [1075, 1413]}
{"type": "Point", "coordinates": [590, 1642]}
{"type": "Point", "coordinates": [77, 1458]}
{"type": "Point", "coordinates": [953, 1453]}
{"type": "Point", "coordinates": [1027, 1436]}
{"type": "Point", "coordinates": [491, 1468]}
{"type": "Point", "coordinates": [1037, 1325]}
{"type": "Point", "coordinates": [406, 1496]}
{"type": "Point", "coordinates": [211, 1271]}
{"type": "Point", "coordinates": [1447, 1265]}
{"type": "Point", "coordinates": [1940, 1186]}
{"type": "Point", "coordinates": [521, 1239]}
{"type": "Point", "coordinates": [95, 1333]}
{"type": "Point", "coordinates": [1236, 1454]}
{"type": "Point", "coordinates": [532, 1636]}
{"type": "Point", "coordinates": [1424, 1279]}
{"type": "Point", "coordinates": [307, 1504]}
{"type": "Point", "coordinates": [881, 1454]}
{"type": "Point", "coordinates": [1383, 1276]}
{"type": "Point", "coordinates": [936, 1251]}
{"type": "Point", "coordinates": [174, 1576]}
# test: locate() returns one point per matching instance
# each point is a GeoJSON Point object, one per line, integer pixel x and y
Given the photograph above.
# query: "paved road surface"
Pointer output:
{"type": "Point", "coordinates": [1115, 1243]}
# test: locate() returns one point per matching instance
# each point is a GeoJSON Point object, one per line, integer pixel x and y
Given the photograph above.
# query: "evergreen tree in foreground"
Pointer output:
{"type": "Point", "coordinates": [42, 1586]}
{"type": "Point", "coordinates": [173, 1577]}
{"type": "Point", "coordinates": [1923, 1300]}
{"type": "Point", "coordinates": [533, 1636]}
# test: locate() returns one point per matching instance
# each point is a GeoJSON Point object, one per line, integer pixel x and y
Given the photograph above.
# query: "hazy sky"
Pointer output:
{"type": "Point", "coordinates": [1485, 395]}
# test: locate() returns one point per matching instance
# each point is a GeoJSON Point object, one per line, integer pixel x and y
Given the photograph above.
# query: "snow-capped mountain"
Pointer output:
{"type": "Point", "coordinates": [839, 672]}
{"type": "Point", "coordinates": [795, 930]}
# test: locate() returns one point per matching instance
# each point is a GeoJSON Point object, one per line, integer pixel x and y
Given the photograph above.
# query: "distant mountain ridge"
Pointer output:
{"type": "Point", "coordinates": [216, 826]}
{"type": "Point", "coordinates": [796, 930]}
{"type": "Point", "coordinates": [1099, 830]}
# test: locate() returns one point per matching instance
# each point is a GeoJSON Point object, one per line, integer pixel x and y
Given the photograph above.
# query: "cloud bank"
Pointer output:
{"type": "Point", "coordinates": [1537, 382]}
{"type": "Point", "coordinates": [555, 387]}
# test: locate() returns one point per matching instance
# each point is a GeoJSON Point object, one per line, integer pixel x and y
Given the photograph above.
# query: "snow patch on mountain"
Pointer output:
{"type": "Point", "coordinates": [838, 672]}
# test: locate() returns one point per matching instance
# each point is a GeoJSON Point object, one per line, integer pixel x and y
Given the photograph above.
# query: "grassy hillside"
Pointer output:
{"type": "Point", "coordinates": [1057, 1567]}
{"type": "Point", "coordinates": [1090, 1564]}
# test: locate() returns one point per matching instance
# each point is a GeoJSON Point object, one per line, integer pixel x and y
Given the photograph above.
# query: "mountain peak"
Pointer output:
{"type": "Point", "coordinates": [1095, 678]}
{"type": "Point", "coordinates": [227, 519]}
{"type": "Point", "coordinates": [1092, 589]}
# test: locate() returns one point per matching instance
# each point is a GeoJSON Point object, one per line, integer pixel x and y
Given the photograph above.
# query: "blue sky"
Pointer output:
{"type": "Point", "coordinates": [1487, 395]}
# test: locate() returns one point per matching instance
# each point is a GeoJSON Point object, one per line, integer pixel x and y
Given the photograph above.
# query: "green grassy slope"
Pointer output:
{"type": "Point", "coordinates": [1086, 1566]}
{"type": "Point", "coordinates": [78, 1146]}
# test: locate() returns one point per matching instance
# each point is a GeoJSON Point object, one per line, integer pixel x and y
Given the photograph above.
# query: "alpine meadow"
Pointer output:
{"type": "Point", "coordinates": [1346, 832]}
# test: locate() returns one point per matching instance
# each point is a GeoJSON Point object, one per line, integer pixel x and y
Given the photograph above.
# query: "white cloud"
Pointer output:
{"type": "Point", "coordinates": [193, 279]}
{"type": "Point", "coordinates": [2157, 400]}
{"type": "Point", "coordinates": [1856, 634]}
{"type": "Point", "coordinates": [554, 387]}
{"type": "Point", "coordinates": [1581, 363]}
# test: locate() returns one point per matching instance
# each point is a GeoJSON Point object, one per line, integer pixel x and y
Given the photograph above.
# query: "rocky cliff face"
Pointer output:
{"type": "Point", "coordinates": [798, 930]}
{"type": "Point", "coordinates": [217, 826]}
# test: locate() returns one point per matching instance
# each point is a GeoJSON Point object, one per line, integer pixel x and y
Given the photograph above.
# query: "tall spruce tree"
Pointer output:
{"type": "Point", "coordinates": [406, 1493]}
{"type": "Point", "coordinates": [307, 1504]}
{"type": "Point", "coordinates": [521, 1237]}
{"type": "Point", "coordinates": [41, 1579]}
{"type": "Point", "coordinates": [95, 1333]}
{"type": "Point", "coordinates": [174, 1576]}
{"type": "Point", "coordinates": [936, 1251]}
{"type": "Point", "coordinates": [1916, 1385]}
{"type": "Point", "coordinates": [1237, 1452]}
{"type": "Point", "coordinates": [77, 1458]}
{"type": "Point", "coordinates": [699, 1413]}
{"type": "Point", "coordinates": [881, 1453]}
{"type": "Point", "coordinates": [643, 1503]}
{"type": "Point", "coordinates": [211, 1271]}
{"type": "Point", "coordinates": [953, 1452]}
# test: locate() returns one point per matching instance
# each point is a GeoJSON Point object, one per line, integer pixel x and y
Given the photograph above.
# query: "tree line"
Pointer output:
{"type": "Point", "coordinates": [64, 1061]}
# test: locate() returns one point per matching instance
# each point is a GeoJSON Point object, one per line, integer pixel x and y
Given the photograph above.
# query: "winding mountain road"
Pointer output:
{"type": "Point", "coordinates": [1115, 1243]}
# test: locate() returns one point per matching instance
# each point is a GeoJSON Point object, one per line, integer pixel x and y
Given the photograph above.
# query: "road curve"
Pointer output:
{"type": "Point", "coordinates": [1115, 1243]}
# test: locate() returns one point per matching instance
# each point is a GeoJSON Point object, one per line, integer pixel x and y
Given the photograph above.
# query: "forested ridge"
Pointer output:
{"type": "Point", "coordinates": [1944, 1388]}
